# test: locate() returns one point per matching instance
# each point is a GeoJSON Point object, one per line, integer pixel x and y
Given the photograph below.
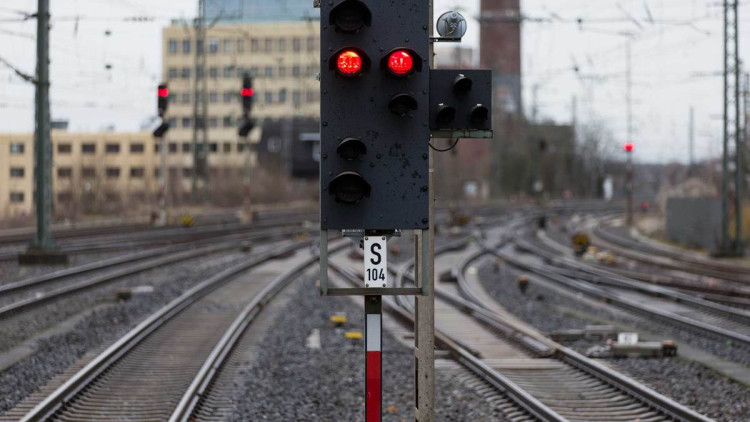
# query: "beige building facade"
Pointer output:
{"type": "Point", "coordinates": [282, 58]}
{"type": "Point", "coordinates": [102, 172]}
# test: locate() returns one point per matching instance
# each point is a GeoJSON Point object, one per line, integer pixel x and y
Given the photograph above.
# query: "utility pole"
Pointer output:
{"type": "Point", "coordinates": [43, 249]}
{"type": "Point", "coordinates": [731, 131]}
{"type": "Point", "coordinates": [200, 104]}
{"type": "Point", "coordinates": [691, 137]}
{"type": "Point", "coordinates": [629, 108]}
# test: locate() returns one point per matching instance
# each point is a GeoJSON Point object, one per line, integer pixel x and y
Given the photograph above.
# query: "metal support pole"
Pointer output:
{"type": "Point", "coordinates": [200, 50]}
{"type": "Point", "coordinates": [725, 152]}
{"type": "Point", "coordinates": [424, 337]}
{"type": "Point", "coordinates": [373, 359]}
{"type": "Point", "coordinates": [738, 174]}
{"type": "Point", "coordinates": [163, 181]}
{"type": "Point", "coordinates": [246, 204]}
{"type": "Point", "coordinates": [629, 100]}
{"type": "Point", "coordinates": [42, 142]}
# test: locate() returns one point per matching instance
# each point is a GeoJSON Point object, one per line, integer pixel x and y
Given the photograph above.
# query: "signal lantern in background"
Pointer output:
{"type": "Point", "coordinates": [629, 147]}
{"type": "Point", "coordinates": [246, 93]}
{"type": "Point", "coordinates": [162, 99]}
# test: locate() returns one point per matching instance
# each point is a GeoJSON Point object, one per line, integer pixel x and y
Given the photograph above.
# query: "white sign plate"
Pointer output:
{"type": "Point", "coordinates": [376, 261]}
{"type": "Point", "coordinates": [627, 338]}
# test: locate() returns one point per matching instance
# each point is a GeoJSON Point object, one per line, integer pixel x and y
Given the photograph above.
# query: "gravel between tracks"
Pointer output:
{"type": "Point", "coordinates": [291, 382]}
{"type": "Point", "coordinates": [691, 383]}
{"type": "Point", "coordinates": [103, 326]}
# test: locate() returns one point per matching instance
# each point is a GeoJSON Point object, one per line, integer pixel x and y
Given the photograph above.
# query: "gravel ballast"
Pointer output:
{"type": "Point", "coordinates": [689, 382]}
{"type": "Point", "coordinates": [108, 321]}
{"type": "Point", "coordinates": [291, 382]}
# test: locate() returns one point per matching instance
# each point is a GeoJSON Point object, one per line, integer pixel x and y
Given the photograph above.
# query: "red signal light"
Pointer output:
{"type": "Point", "coordinates": [629, 147]}
{"type": "Point", "coordinates": [247, 92]}
{"type": "Point", "coordinates": [349, 63]}
{"type": "Point", "coordinates": [163, 92]}
{"type": "Point", "coordinates": [400, 63]}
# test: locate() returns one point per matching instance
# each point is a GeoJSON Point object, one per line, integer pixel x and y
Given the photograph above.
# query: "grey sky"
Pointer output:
{"type": "Point", "coordinates": [677, 57]}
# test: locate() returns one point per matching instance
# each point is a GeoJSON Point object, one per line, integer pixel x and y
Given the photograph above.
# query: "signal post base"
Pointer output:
{"type": "Point", "coordinates": [38, 256]}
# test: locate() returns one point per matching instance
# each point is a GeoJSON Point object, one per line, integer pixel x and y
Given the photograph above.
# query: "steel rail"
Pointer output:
{"type": "Point", "coordinates": [66, 392]}
{"type": "Point", "coordinates": [633, 388]}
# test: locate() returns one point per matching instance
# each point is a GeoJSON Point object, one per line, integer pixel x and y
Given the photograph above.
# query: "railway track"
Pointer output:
{"type": "Point", "coordinates": [163, 365]}
{"type": "Point", "coordinates": [542, 380]}
{"type": "Point", "coordinates": [668, 257]}
{"type": "Point", "coordinates": [667, 305]}
{"type": "Point", "coordinates": [24, 295]}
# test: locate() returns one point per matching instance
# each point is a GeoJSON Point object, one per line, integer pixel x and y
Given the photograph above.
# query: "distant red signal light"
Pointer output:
{"type": "Point", "coordinates": [163, 92]}
{"type": "Point", "coordinates": [629, 147]}
{"type": "Point", "coordinates": [247, 92]}
{"type": "Point", "coordinates": [400, 63]}
{"type": "Point", "coordinates": [349, 63]}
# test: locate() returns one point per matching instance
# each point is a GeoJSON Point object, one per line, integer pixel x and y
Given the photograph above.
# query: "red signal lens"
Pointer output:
{"type": "Point", "coordinates": [349, 63]}
{"type": "Point", "coordinates": [400, 63]}
{"type": "Point", "coordinates": [247, 92]}
{"type": "Point", "coordinates": [629, 147]}
{"type": "Point", "coordinates": [163, 92]}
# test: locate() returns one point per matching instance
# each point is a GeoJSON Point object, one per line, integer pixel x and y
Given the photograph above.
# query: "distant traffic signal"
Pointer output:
{"type": "Point", "coordinates": [460, 99]}
{"type": "Point", "coordinates": [374, 112]}
{"type": "Point", "coordinates": [629, 147]}
{"type": "Point", "coordinates": [162, 99]}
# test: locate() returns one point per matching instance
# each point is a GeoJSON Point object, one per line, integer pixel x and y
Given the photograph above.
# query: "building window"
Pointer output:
{"type": "Point", "coordinates": [213, 97]}
{"type": "Point", "coordinates": [240, 147]}
{"type": "Point", "coordinates": [186, 97]}
{"type": "Point", "coordinates": [296, 98]}
{"type": "Point", "coordinates": [112, 196]}
{"type": "Point", "coordinates": [268, 72]}
{"type": "Point", "coordinates": [17, 172]}
{"type": "Point", "coordinates": [112, 172]}
{"type": "Point", "coordinates": [254, 71]}
{"type": "Point", "coordinates": [213, 72]}
{"type": "Point", "coordinates": [268, 45]}
{"type": "Point", "coordinates": [282, 96]}
{"type": "Point", "coordinates": [172, 46]}
{"type": "Point", "coordinates": [137, 172]}
{"type": "Point", "coordinates": [172, 122]}
{"type": "Point", "coordinates": [186, 147]}
{"type": "Point", "coordinates": [200, 72]}
{"type": "Point", "coordinates": [172, 73]}
{"type": "Point", "coordinates": [112, 148]}
{"type": "Point", "coordinates": [282, 72]}
{"type": "Point", "coordinates": [213, 122]}
{"type": "Point", "coordinates": [296, 44]}
{"type": "Point", "coordinates": [16, 197]}
{"type": "Point", "coordinates": [229, 72]}
{"type": "Point", "coordinates": [64, 148]}
{"type": "Point", "coordinates": [186, 46]}
{"type": "Point", "coordinates": [268, 98]}
{"type": "Point", "coordinates": [65, 197]}
{"type": "Point", "coordinates": [199, 46]}
{"type": "Point", "coordinates": [187, 122]}
{"type": "Point", "coordinates": [254, 45]}
{"type": "Point", "coordinates": [213, 147]}
{"type": "Point", "coordinates": [310, 43]}
{"type": "Point", "coordinates": [282, 44]}
{"type": "Point", "coordinates": [295, 71]}
{"type": "Point", "coordinates": [172, 148]}
{"type": "Point", "coordinates": [227, 147]}
{"type": "Point", "coordinates": [213, 46]}
{"type": "Point", "coordinates": [88, 149]}
{"type": "Point", "coordinates": [185, 73]}
{"type": "Point", "coordinates": [228, 46]}
{"type": "Point", "coordinates": [17, 148]}
{"type": "Point", "coordinates": [65, 173]}
{"type": "Point", "coordinates": [228, 121]}
{"type": "Point", "coordinates": [157, 172]}
{"type": "Point", "coordinates": [228, 96]}
{"type": "Point", "coordinates": [240, 46]}
{"type": "Point", "coordinates": [88, 172]}
{"type": "Point", "coordinates": [136, 148]}
{"type": "Point", "coordinates": [187, 172]}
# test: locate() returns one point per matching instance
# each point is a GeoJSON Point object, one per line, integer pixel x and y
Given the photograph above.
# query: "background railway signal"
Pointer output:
{"type": "Point", "coordinates": [374, 108]}
{"type": "Point", "coordinates": [247, 93]}
{"type": "Point", "coordinates": [460, 99]}
{"type": "Point", "coordinates": [162, 104]}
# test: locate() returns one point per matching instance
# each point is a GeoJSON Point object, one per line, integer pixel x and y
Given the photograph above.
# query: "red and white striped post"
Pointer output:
{"type": "Point", "coordinates": [373, 359]}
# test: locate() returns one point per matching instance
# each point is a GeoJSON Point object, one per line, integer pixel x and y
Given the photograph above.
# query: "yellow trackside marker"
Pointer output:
{"type": "Point", "coordinates": [353, 335]}
{"type": "Point", "coordinates": [338, 319]}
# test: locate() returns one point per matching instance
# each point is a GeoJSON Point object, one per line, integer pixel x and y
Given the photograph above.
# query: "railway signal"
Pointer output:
{"type": "Point", "coordinates": [162, 99]}
{"type": "Point", "coordinates": [247, 92]}
{"type": "Point", "coordinates": [374, 105]}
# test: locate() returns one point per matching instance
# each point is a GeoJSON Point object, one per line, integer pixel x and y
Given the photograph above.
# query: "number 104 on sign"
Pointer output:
{"type": "Point", "coordinates": [376, 264]}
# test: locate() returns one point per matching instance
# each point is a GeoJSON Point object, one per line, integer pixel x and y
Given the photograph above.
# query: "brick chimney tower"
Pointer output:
{"type": "Point", "coordinates": [500, 50]}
